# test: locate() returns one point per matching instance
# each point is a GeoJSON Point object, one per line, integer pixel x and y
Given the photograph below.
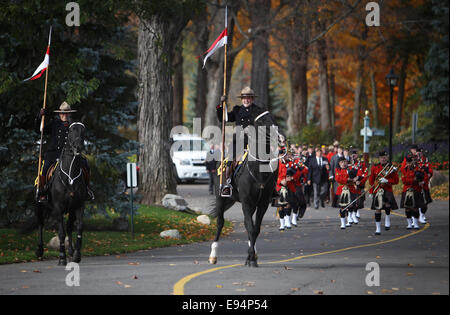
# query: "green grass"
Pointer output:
{"type": "Point", "coordinates": [149, 222]}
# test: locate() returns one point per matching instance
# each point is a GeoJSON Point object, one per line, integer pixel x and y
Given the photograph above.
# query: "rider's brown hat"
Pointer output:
{"type": "Point", "coordinates": [247, 92]}
{"type": "Point", "coordinates": [65, 109]}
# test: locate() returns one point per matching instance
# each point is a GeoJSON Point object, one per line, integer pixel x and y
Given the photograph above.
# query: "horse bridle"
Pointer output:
{"type": "Point", "coordinates": [75, 154]}
{"type": "Point", "coordinates": [270, 160]}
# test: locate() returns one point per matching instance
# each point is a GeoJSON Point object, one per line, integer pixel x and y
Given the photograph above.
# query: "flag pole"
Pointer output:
{"type": "Point", "coordinates": [224, 102]}
{"type": "Point", "coordinates": [43, 118]}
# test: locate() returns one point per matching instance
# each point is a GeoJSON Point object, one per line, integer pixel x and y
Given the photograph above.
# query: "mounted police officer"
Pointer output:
{"type": "Point", "coordinates": [58, 128]}
{"type": "Point", "coordinates": [244, 116]}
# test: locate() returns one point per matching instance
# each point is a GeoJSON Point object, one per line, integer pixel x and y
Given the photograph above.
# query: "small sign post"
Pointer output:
{"type": "Point", "coordinates": [132, 183]}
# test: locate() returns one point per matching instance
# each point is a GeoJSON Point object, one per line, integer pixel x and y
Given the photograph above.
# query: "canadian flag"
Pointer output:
{"type": "Point", "coordinates": [219, 42]}
{"type": "Point", "coordinates": [44, 65]}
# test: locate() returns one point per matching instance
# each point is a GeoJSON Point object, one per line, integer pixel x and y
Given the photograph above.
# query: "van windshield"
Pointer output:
{"type": "Point", "coordinates": [191, 145]}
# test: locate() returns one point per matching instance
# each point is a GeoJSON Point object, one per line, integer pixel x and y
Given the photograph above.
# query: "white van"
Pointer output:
{"type": "Point", "coordinates": [189, 156]}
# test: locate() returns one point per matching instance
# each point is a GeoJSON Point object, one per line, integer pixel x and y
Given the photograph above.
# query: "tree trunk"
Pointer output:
{"type": "Point", "coordinates": [296, 47]}
{"type": "Point", "coordinates": [178, 88]}
{"type": "Point", "coordinates": [156, 41]}
{"type": "Point", "coordinates": [333, 102]}
{"type": "Point", "coordinates": [299, 90]}
{"type": "Point", "coordinates": [401, 95]}
{"type": "Point", "coordinates": [259, 15]}
{"type": "Point", "coordinates": [325, 120]}
{"type": "Point", "coordinates": [201, 33]}
{"type": "Point", "coordinates": [373, 83]}
{"type": "Point", "coordinates": [359, 88]}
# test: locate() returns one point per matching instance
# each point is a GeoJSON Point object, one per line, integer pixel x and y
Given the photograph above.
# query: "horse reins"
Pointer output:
{"type": "Point", "coordinates": [71, 180]}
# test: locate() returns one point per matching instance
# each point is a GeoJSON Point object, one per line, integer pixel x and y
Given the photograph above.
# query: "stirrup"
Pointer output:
{"type": "Point", "coordinates": [42, 198]}
{"type": "Point", "coordinates": [223, 193]}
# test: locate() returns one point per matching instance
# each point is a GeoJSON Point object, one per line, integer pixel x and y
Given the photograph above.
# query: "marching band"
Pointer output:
{"type": "Point", "coordinates": [347, 186]}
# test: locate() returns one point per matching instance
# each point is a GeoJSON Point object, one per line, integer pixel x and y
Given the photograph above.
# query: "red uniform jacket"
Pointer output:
{"type": "Point", "coordinates": [363, 170]}
{"type": "Point", "coordinates": [282, 171]}
{"type": "Point", "coordinates": [301, 176]}
{"type": "Point", "coordinates": [342, 178]}
{"type": "Point", "coordinates": [392, 179]}
{"type": "Point", "coordinates": [409, 178]}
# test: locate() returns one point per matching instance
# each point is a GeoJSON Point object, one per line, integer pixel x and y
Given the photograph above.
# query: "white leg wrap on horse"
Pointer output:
{"type": "Point", "coordinates": [213, 255]}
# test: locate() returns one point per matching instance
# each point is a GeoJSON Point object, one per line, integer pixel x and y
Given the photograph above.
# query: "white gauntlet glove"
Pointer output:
{"type": "Point", "coordinates": [383, 180]}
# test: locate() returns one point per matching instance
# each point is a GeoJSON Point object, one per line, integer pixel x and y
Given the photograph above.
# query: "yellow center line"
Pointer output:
{"type": "Point", "coordinates": [178, 288]}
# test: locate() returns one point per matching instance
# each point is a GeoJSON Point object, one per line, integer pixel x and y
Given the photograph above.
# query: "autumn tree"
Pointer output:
{"type": "Point", "coordinates": [160, 26]}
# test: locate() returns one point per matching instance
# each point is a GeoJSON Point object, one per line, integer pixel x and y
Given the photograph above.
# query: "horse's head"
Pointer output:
{"type": "Point", "coordinates": [76, 136]}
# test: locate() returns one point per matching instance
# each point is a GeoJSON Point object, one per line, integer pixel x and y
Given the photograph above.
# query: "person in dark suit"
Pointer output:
{"type": "Point", "coordinates": [318, 177]}
{"type": "Point", "coordinates": [309, 154]}
{"type": "Point", "coordinates": [212, 157]}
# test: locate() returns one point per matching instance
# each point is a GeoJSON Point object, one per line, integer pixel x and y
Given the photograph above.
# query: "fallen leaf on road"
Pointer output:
{"type": "Point", "coordinates": [395, 289]}
{"type": "Point", "coordinates": [295, 289]}
{"type": "Point", "coordinates": [134, 263]}
{"type": "Point", "coordinates": [126, 286]}
{"type": "Point", "coordinates": [195, 262]}
{"type": "Point", "coordinates": [410, 265]}
{"type": "Point", "coordinates": [119, 283]}
{"type": "Point", "coordinates": [320, 292]}
{"type": "Point", "coordinates": [37, 271]}
{"type": "Point", "coordinates": [219, 286]}
{"type": "Point", "coordinates": [25, 287]}
{"type": "Point", "coordinates": [134, 277]}
{"type": "Point", "coordinates": [386, 291]}
{"type": "Point", "coordinates": [23, 271]}
{"type": "Point", "coordinates": [370, 292]}
{"type": "Point", "coordinates": [287, 268]}
{"type": "Point", "coordinates": [410, 274]}
{"type": "Point", "coordinates": [436, 293]}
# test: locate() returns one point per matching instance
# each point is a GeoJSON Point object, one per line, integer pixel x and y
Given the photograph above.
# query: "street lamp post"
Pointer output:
{"type": "Point", "coordinates": [391, 80]}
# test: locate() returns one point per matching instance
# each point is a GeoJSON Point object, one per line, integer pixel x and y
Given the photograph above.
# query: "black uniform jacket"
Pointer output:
{"type": "Point", "coordinates": [241, 115]}
{"type": "Point", "coordinates": [59, 131]}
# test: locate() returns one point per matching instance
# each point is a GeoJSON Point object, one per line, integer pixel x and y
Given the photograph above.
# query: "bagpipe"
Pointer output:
{"type": "Point", "coordinates": [387, 170]}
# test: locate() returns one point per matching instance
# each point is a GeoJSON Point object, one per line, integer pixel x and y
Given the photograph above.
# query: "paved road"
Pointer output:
{"type": "Point", "coordinates": [314, 258]}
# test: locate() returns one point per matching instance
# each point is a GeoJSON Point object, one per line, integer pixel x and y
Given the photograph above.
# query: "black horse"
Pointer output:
{"type": "Point", "coordinates": [253, 185]}
{"type": "Point", "coordinates": [67, 193]}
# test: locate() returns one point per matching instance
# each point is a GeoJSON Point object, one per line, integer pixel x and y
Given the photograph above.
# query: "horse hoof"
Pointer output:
{"type": "Point", "coordinates": [251, 263]}
{"type": "Point", "coordinates": [212, 260]}
{"type": "Point", "coordinates": [77, 257]}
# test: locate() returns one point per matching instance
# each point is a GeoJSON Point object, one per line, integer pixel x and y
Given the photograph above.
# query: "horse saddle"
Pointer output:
{"type": "Point", "coordinates": [236, 165]}
{"type": "Point", "coordinates": [45, 178]}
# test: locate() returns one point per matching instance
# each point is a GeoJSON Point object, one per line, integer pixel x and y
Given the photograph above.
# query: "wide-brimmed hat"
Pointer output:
{"type": "Point", "coordinates": [65, 109]}
{"type": "Point", "coordinates": [247, 92]}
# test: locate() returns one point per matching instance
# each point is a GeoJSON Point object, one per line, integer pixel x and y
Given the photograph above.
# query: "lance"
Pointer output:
{"type": "Point", "coordinates": [43, 118]}
{"type": "Point", "coordinates": [224, 104]}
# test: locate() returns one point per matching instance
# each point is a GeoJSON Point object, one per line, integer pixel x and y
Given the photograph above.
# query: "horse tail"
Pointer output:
{"type": "Point", "coordinates": [226, 204]}
{"type": "Point", "coordinates": [33, 223]}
